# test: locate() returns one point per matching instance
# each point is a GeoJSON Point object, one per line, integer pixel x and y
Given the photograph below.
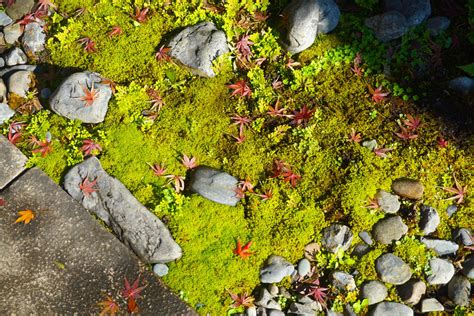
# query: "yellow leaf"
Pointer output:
{"type": "Point", "coordinates": [25, 216]}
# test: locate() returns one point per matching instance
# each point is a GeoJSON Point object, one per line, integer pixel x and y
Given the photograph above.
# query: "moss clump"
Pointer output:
{"type": "Point", "coordinates": [415, 253]}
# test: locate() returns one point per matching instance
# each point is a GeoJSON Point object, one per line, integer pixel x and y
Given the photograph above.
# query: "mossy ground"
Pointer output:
{"type": "Point", "coordinates": [338, 176]}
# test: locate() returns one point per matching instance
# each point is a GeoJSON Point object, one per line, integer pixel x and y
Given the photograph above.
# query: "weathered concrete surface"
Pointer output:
{"type": "Point", "coordinates": [12, 162]}
{"type": "Point", "coordinates": [32, 280]}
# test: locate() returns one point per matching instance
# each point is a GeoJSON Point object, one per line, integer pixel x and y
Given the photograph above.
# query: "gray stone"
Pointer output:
{"type": "Point", "coordinates": [275, 270]}
{"type": "Point", "coordinates": [332, 313]}
{"type": "Point", "coordinates": [284, 292]}
{"type": "Point", "coordinates": [160, 269]}
{"type": "Point", "coordinates": [72, 261]}
{"type": "Point", "coordinates": [67, 100]}
{"type": "Point", "coordinates": [429, 220]}
{"type": "Point", "coordinates": [34, 38]}
{"type": "Point", "coordinates": [336, 236]}
{"type": "Point", "coordinates": [370, 144]}
{"type": "Point", "coordinates": [45, 93]}
{"type": "Point", "coordinates": [391, 309]}
{"type": "Point", "coordinates": [251, 311]}
{"type": "Point", "coordinates": [412, 291]}
{"type": "Point", "coordinates": [437, 25]}
{"type": "Point", "coordinates": [304, 267]}
{"type": "Point", "coordinates": [20, 82]}
{"type": "Point", "coordinates": [261, 311]}
{"type": "Point", "coordinates": [8, 71]}
{"type": "Point", "coordinates": [441, 271]}
{"type": "Point", "coordinates": [273, 289]}
{"type": "Point", "coordinates": [389, 203]}
{"type": "Point", "coordinates": [440, 246]}
{"type": "Point", "coordinates": [3, 91]}
{"type": "Point", "coordinates": [310, 303]}
{"type": "Point", "coordinates": [459, 290]}
{"type": "Point", "coordinates": [214, 185]}
{"type": "Point", "coordinates": [300, 309]}
{"type": "Point", "coordinates": [12, 162]}
{"type": "Point", "coordinates": [374, 291]}
{"type": "Point", "coordinates": [451, 209]}
{"type": "Point", "coordinates": [305, 19]}
{"type": "Point", "coordinates": [468, 267]}
{"type": "Point", "coordinates": [431, 305]}
{"type": "Point", "coordinates": [389, 229]}
{"type": "Point", "coordinates": [415, 11]}
{"type": "Point", "coordinates": [19, 8]}
{"type": "Point", "coordinates": [133, 223]}
{"type": "Point", "coordinates": [360, 250]}
{"type": "Point", "coordinates": [15, 56]}
{"type": "Point", "coordinates": [197, 46]}
{"type": "Point", "coordinates": [463, 236]}
{"type": "Point", "coordinates": [388, 26]}
{"type": "Point", "coordinates": [365, 236]}
{"type": "Point", "coordinates": [392, 269]}
{"type": "Point", "coordinates": [12, 33]}
{"type": "Point", "coordinates": [343, 281]}
{"type": "Point", "coordinates": [266, 300]}
{"type": "Point", "coordinates": [5, 113]}
{"type": "Point", "coordinates": [2, 62]}
{"type": "Point", "coordinates": [5, 19]}
{"type": "Point", "coordinates": [408, 188]}
{"type": "Point", "coordinates": [2, 46]}
{"type": "Point", "coordinates": [349, 311]}
{"type": "Point", "coordinates": [275, 312]}
{"type": "Point", "coordinates": [464, 85]}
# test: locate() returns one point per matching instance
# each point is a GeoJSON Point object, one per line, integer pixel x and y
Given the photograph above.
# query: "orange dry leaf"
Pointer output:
{"type": "Point", "coordinates": [25, 216]}
{"type": "Point", "coordinates": [109, 307]}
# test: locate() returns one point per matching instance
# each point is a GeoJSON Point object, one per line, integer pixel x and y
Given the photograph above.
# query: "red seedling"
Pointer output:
{"type": "Point", "coordinates": [89, 147]}
{"type": "Point", "coordinates": [44, 5]}
{"type": "Point", "coordinates": [90, 95]}
{"type": "Point", "coordinates": [457, 189]}
{"type": "Point", "coordinates": [189, 163]}
{"type": "Point", "coordinates": [413, 123]}
{"type": "Point", "coordinates": [27, 19]}
{"type": "Point", "coordinates": [279, 166]}
{"type": "Point", "coordinates": [266, 195]}
{"type": "Point", "coordinates": [277, 84]}
{"type": "Point", "coordinates": [302, 117]}
{"type": "Point", "coordinates": [246, 185]}
{"type": "Point", "coordinates": [116, 31]}
{"type": "Point", "coordinates": [377, 94]}
{"type": "Point", "coordinates": [88, 44]}
{"type": "Point", "coordinates": [406, 134]}
{"type": "Point", "coordinates": [239, 193]}
{"type": "Point", "coordinates": [318, 293]}
{"type": "Point", "coordinates": [244, 300]}
{"type": "Point", "coordinates": [177, 181]}
{"type": "Point", "coordinates": [140, 15]}
{"type": "Point", "coordinates": [158, 170]}
{"type": "Point", "coordinates": [442, 143]}
{"type": "Point", "coordinates": [243, 47]}
{"type": "Point", "coordinates": [14, 132]}
{"type": "Point", "coordinates": [44, 146]}
{"type": "Point", "coordinates": [356, 69]}
{"type": "Point", "coordinates": [382, 152]}
{"type": "Point", "coordinates": [354, 137]}
{"type": "Point", "coordinates": [277, 111]}
{"type": "Point", "coordinates": [87, 187]}
{"type": "Point", "coordinates": [241, 121]}
{"type": "Point", "coordinates": [156, 100]}
{"type": "Point", "coordinates": [162, 54]}
{"type": "Point", "coordinates": [244, 251]}
{"type": "Point", "coordinates": [240, 88]}
{"type": "Point", "coordinates": [239, 139]}
{"type": "Point", "coordinates": [290, 177]}
{"type": "Point", "coordinates": [373, 204]}
{"type": "Point", "coordinates": [290, 63]}
{"type": "Point", "coordinates": [109, 306]}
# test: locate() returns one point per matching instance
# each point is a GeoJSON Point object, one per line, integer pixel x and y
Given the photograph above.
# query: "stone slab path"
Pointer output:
{"type": "Point", "coordinates": [63, 261]}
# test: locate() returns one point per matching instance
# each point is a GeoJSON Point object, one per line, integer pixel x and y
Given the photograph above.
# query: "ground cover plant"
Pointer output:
{"type": "Point", "coordinates": [293, 128]}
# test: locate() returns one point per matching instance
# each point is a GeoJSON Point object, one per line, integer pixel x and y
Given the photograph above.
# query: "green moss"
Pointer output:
{"type": "Point", "coordinates": [415, 253]}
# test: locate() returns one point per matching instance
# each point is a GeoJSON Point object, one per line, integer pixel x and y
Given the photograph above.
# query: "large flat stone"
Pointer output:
{"type": "Point", "coordinates": [12, 162]}
{"type": "Point", "coordinates": [32, 278]}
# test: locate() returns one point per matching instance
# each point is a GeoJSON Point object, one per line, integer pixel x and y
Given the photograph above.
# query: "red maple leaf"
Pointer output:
{"type": "Point", "coordinates": [89, 147]}
{"type": "Point", "coordinates": [290, 177]}
{"type": "Point", "coordinates": [90, 95]}
{"type": "Point", "coordinates": [116, 31]}
{"type": "Point", "coordinates": [44, 146]}
{"type": "Point", "coordinates": [189, 163]}
{"type": "Point", "coordinates": [109, 306]}
{"type": "Point", "coordinates": [243, 47]}
{"type": "Point", "coordinates": [381, 152]}
{"type": "Point", "coordinates": [88, 44]}
{"type": "Point", "coordinates": [133, 291]}
{"type": "Point", "coordinates": [242, 121]}
{"type": "Point", "coordinates": [27, 19]}
{"type": "Point", "coordinates": [241, 300]}
{"type": "Point", "coordinates": [442, 143]}
{"type": "Point", "coordinates": [162, 54]}
{"type": "Point", "coordinates": [266, 195]}
{"type": "Point", "coordinates": [302, 116]}
{"type": "Point", "coordinates": [87, 187]}
{"type": "Point", "coordinates": [413, 123]}
{"type": "Point", "coordinates": [276, 111]}
{"type": "Point", "coordinates": [140, 15]}
{"type": "Point", "coordinates": [14, 131]}
{"type": "Point", "coordinates": [354, 137]}
{"type": "Point", "coordinates": [406, 134]}
{"type": "Point", "coordinates": [240, 88]}
{"type": "Point", "coordinates": [244, 251]}
{"type": "Point", "coordinates": [377, 94]}
{"type": "Point", "coordinates": [457, 189]}
{"type": "Point", "coordinates": [158, 170]}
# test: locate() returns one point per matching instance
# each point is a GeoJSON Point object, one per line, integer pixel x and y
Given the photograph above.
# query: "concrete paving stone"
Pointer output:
{"type": "Point", "coordinates": [63, 262]}
{"type": "Point", "coordinates": [12, 162]}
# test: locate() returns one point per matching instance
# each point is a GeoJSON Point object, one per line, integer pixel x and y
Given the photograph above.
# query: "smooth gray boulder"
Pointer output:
{"type": "Point", "coordinates": [275, 270]}
{"type": "Point", "coordinates": [408, 188]}
{"type": "Point", "coordinates": [440, 246]}
{"type": "Point", "coordinates": [441, 271]}
{"type": "Point", "coordinates": [459, 290]}
{"type": "Point", "coordinates": [412, 291]}
{"type": "Point", "coordinates": [415, 11]}
{"type": "Point", "coordinates": [343, 281]}
{"type": "Point", "coordinates": [463, 236]}
{"type": "Point", "coordinates": [19, 82]}
{"type": "Point", "coordinates": [19, 8]}
{"type": "Point", "coordinates": [197, 46]}
{"type": "Point", "coordinates": [133, 223]}
{"type": "Point", "coordinates": [437, 25]}
{"type": "Point", "coordinates": [336, 237]}
{"type": "Point", "coordinates": [365, 236]}
{"type": "Point", "coordinates": [389, 203]}
{"type": "Point", "coordinates": [429, 220]}
{"type": "Point", "coordinates": [431, 305]}
{"type": "Point", "coordinates": [361, 250]}
{"type": "Point", "coordinates": [15, 56]}
{"type": "Point", "coordinates": [389, 229]}
{"type": "Point", "coordinates": [3, 91]}
{"type": "Point", "coordinates": [374, 291]}
{"type": "Point", "coordinates": [69, 101]}
{"type": "Point", "coordinates": [305, 19]}
{"type": "Point", "coordinates": [388, 26]}
{"type": "Point", "coordinates": [266, 300]}
{"type": "Point", "coordinates": [5, 112]}
{"type": "Point", "coordinates": [304, 267]}
{"type": "Point", "coordinates": [463, 84]}
{"type": "Point", "coordinates": [214, 185]}
{"type": "Point", "coordinates": [12, 33]}
{"type": "Point", "coordinates": [5, 19]}
{"type": "Point", "coordinates": [392, 269]}
{"type": "Point", "coordinates": [391, 309]}
{"type": "Point", "coordinates": [468, 267]}
{"type": "Point", "coordinates": [34, 38]}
